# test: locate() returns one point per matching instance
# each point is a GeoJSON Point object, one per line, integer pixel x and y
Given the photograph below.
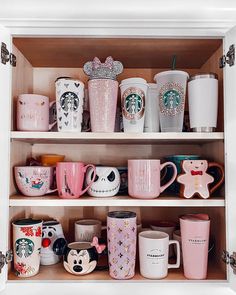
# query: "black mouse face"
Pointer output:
{"type": "Point", "coordinates": [79, 262]}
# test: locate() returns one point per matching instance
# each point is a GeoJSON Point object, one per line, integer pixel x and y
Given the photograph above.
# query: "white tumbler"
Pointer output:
{"type": "Point", "coordinates": [171, 87]}
{"type": "Point", "coordinates": [151, 121]}
{"type": "Point", "coordinates": [203, 102]}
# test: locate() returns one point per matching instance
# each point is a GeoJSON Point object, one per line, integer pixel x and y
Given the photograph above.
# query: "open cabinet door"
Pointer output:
{"type": "Point", "coordinates": [230, 145]}
{"type": "Point", "coordinates": [5, 119]}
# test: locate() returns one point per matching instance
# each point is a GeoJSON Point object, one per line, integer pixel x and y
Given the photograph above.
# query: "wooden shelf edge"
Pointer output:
{"type": "Point", "coordinates": [86, 201]}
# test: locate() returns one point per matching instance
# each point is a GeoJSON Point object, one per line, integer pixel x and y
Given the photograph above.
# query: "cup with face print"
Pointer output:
{"type": "Point", "coordinates": [27, 239]}
{"type": "Point", "coordinates": [144, 178]}
{"type": "Point", "coordinates": [33, 113]}
{"type": "Point", "coordinates": [154, 253]}
{"type": "Point", "coordinates": [34, 180]}
{"type": "Point", "coordinates": [70, 178]}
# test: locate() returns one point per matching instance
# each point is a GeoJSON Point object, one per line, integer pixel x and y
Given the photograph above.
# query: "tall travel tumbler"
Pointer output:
{"type": "Point", "coordinates": [121, 237]}
{"type": "Point", "coordinates": [195, 229]}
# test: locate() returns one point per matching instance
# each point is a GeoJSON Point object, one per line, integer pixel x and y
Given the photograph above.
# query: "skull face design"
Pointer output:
{"type": "Point", "coordinates": [69, 101]}
{"type": "Point", "coordinates": [106, 184]}
{"type": "Point", "coordinates": [24, 247]}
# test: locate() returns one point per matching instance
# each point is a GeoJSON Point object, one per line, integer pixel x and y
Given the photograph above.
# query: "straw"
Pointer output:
{"type": "Point", "coordinates": [173, 66]}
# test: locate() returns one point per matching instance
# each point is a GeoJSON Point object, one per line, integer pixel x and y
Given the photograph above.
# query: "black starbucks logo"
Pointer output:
{"type": "Point", "coordinates": [24, 247]}
{"type": "Point", "coordinates": [69, 101]}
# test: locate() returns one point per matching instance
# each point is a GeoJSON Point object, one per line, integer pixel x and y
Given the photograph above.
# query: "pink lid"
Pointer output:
{"type": "Point", "coordinates": [195, 217]}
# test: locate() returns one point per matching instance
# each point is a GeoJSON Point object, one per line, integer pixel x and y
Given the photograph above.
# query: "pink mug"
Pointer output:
{"type": "Point", "coordinates": [144, 178]}
{"type": "Point", "coordinates": [70, 179]}
{"type": "Point", "coordinates": [195, 230]}
{"type": "Point", "coordinates": [33, 113]}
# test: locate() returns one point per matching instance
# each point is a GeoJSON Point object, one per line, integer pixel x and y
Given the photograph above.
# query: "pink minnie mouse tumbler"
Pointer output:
{"type": "Point", "coordinates": [103, 92]}
{"type": "Point", "coordinates": [121, 240]}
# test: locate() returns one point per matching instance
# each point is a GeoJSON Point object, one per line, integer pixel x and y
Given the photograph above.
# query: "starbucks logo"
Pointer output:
{"type": "Point", "coordinates": [24, 247]}
{"type": "Point", "coordinates": [69, 101]}
{"type": "Point", "coordinates": [133, 103]}
{"type": "Point", "coordinates": [171, 99]}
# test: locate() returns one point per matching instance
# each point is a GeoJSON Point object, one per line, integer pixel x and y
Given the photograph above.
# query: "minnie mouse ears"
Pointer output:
{"type": "Point", "coordinates": [107, 70]}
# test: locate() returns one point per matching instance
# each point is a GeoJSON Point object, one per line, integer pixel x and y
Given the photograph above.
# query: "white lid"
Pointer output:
{"type": "Point", "coordinates": [165, 73]}
{"type": "Point", "coordinates": [135, 80]}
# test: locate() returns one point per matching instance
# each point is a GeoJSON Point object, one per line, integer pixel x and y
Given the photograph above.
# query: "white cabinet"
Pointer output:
{"type": "Point", "coordinates": [41, 59]}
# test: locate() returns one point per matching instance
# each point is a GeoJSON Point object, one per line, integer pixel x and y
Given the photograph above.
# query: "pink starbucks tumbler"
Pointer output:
{"type": "Point", "coordinates": [195, 230]}
{"type": "Point", "coordinates": [121, 239]}
{"type": "Point", "coordinates": [70, 179]}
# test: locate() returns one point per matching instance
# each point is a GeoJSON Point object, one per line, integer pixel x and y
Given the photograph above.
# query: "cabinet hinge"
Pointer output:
{"type": "Point", "coordinates": [229, 58]}
{"type": "Point", "coordinates": [6, 56]}
{"type": "Point", "coordinates": [229, 259]}
{"type": "Point", "coordinates": [5, 259]}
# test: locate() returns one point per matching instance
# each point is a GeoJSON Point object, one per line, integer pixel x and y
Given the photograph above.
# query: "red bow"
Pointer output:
{"type": "Point", "coordinates": [196, 172]}
{"type": "Point", "coordinates": [99, 248]}
{"type": "Point", "coordinates": [107, 64]}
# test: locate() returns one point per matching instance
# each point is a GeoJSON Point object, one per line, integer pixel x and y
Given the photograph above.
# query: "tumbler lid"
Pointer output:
{"type": "Point", "coordinates": [122, 214]}
{"type": "Point", "coordinates": [27, 221]}
{"type": "Point", "coordinates": [203, 75]}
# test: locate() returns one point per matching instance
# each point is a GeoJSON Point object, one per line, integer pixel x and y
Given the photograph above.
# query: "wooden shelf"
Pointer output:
{"type": "Point", "coordinates": [58, 273]}
{"type": "Point", "coordinates": [117, 137]}
{"type": "Point", "coordinates": [87, 201]}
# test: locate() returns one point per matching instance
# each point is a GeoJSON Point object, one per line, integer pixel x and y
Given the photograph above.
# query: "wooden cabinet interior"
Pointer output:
{"type": "Point", "coordinates": [40, 61]}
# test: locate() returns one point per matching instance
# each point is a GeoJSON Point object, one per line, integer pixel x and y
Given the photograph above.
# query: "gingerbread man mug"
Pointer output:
{"type": "Point", "coordinates": [196, 180]}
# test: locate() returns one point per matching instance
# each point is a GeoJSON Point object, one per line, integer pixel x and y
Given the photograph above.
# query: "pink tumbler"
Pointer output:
{"type": "Point", "coordinates": [121, 239]}
{"type": "Point", "coordinates": [195, 230]}
{"type": "Point", "coordinates": [102, 103]}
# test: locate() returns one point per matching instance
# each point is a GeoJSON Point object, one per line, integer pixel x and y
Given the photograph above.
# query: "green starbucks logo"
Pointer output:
{"type": "Point", "coordinates": [171, 99]}
{"type": "Point", "coordinates": [24, 247]}
{"type": "Point", "coordinates": [133, 102]}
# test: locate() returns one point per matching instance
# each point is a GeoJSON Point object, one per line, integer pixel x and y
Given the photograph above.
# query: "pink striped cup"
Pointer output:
{"type": "Point", "coordinates": [70, 179]}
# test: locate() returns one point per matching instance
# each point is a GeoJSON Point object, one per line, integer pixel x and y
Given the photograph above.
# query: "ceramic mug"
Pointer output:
{"type": "Point", "coordinates": [33, 113]}
{"type": "Point", "coordinates": [106, 183]}
{"type": "Point", "coordinates": [27, 239]}
{"type": "Point", "coordinates": [69, 100]}
{"type": "Point", "coordinates": [133, 99]}
{"type": "Point", "coordinates": [86, 229]}
{"type": "Point", "coordinates": [153, 254]}
{"type": "Point", "coordinates": [81, 258]}
{"type": "Point", "coordinates": [53, 243]}
{"type": "Point", "coordinates": [70, 179]}
{"type": "Point", "coordinates": [144, 178]}
{"type": "Point", "coordinates": [34, 180]}
{"type": "Point", "coordinates": [195, 179]}
{"type": "Point", "coordinates": [167, 227]}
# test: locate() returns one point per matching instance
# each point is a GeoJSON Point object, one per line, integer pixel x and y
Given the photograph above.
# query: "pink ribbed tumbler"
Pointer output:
{"type": "Point", "coordinates": [121, 237]}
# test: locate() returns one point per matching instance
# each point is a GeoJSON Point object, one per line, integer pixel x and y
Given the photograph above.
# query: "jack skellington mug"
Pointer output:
{"type": "Point", "coordinates": [106, 182]}
{"type": "Point", "coordinates": [69, 101]}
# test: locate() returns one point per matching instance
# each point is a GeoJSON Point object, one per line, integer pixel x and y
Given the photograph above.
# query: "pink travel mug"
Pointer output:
{"type": "Point", "coordinates": [121, 239]}
{"type": "Point", "coordinates": [195, 230]}
{"type": "Point", "coordinates": [70, 179]}
{"type": "Point", "coordinates": [102, 103]}
{"type": "Point", "coordinates": [144, 178]}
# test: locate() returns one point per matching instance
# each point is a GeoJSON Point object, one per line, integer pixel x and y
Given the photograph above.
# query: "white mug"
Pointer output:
{"type": "Point", "coordinates": [86, 229]}
{"type": "Point", "coordinates": [69, 100]}
{"type": "Point", "coordinates": [153, 254]}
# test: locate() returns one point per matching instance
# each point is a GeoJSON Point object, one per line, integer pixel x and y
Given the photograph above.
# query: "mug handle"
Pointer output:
{"type": "Point", "coordinates": [92, 181]}
{"type": "Point", "coordinates": [162, 188]}
{"type": "Point", "coordinates": [51, 191]}
{"type": "Point", "coordinates": [177, 264]}
{"type": "Point", "coordinates": [55, 122]}
{"type": "Point", "coordinates": [221, 180]}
